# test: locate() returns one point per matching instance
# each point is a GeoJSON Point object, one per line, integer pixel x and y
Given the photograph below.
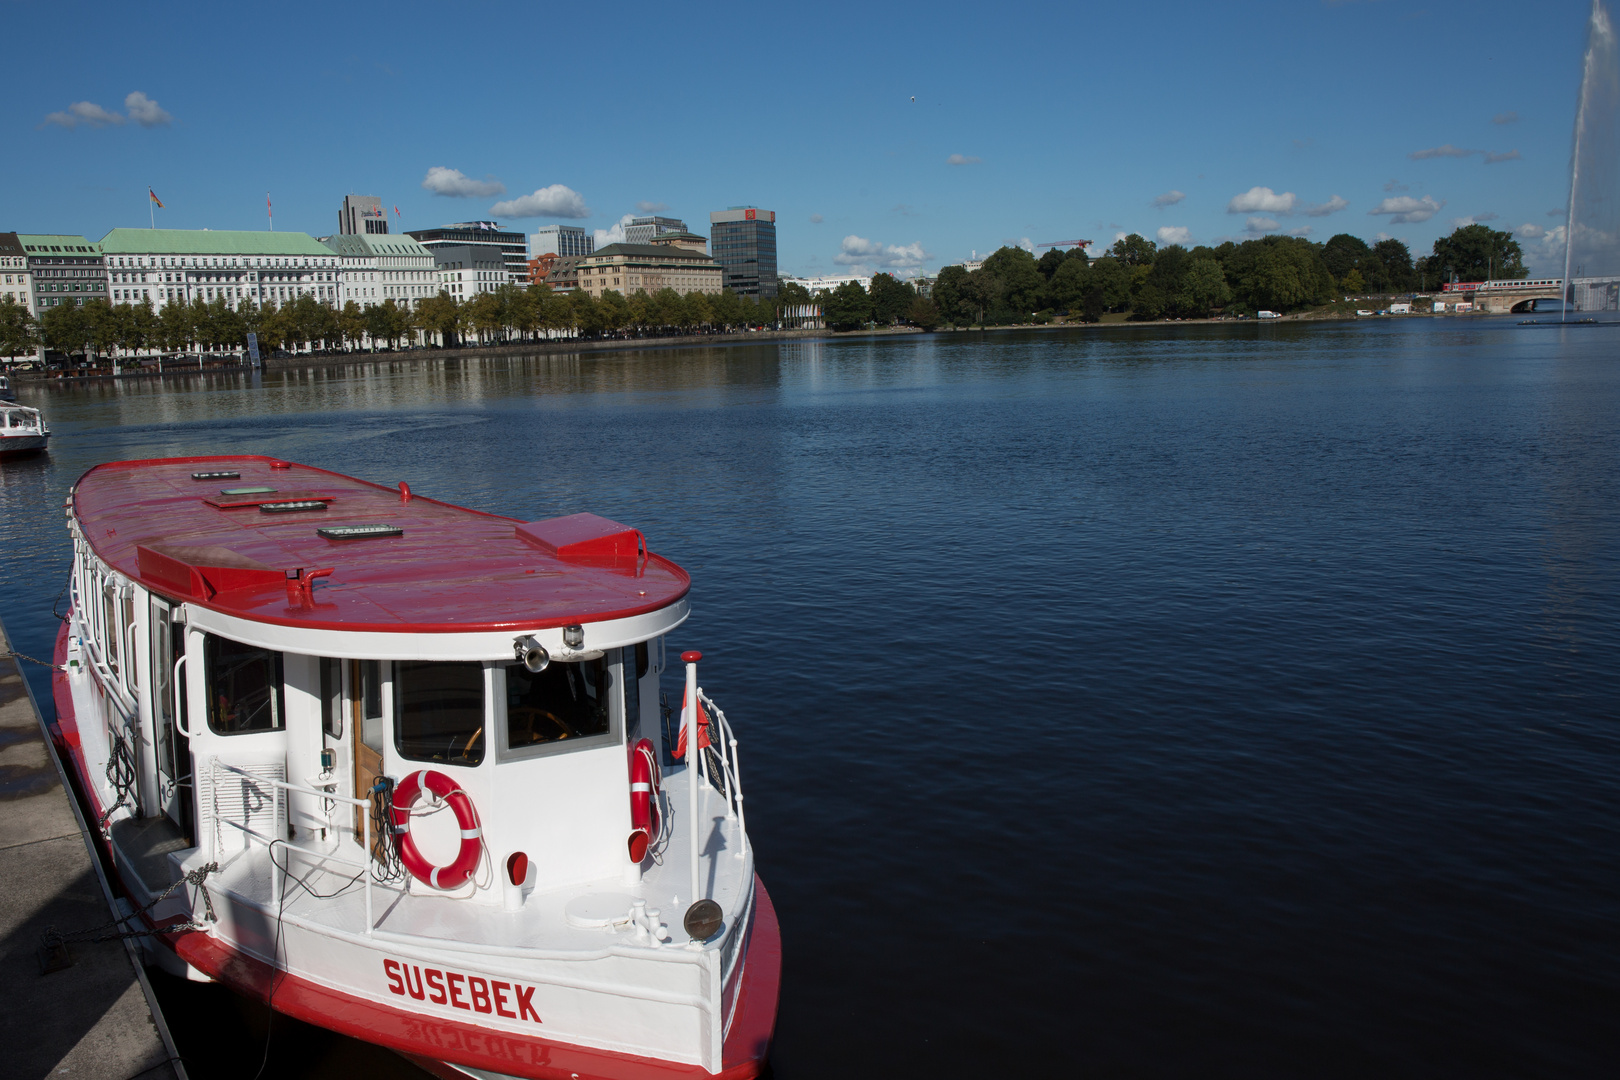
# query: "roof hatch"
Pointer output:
{"type": "Point", "coordinates": [588, 539]}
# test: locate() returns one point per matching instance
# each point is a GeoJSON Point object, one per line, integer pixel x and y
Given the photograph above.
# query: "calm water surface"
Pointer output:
{"type": "Point", "coordinates": [1160, 702]}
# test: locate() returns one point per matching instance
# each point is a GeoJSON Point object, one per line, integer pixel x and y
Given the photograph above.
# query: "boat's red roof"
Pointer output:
{"type": "Point", "coordinates": [452, 569]}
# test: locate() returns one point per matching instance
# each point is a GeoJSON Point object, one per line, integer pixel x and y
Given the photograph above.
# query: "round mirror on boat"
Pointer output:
{"type": "Point", "coordinates": [703, 920]}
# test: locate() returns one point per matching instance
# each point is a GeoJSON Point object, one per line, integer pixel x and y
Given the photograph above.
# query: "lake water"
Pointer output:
{"type": "Point", "coordinates": [1142, 702]}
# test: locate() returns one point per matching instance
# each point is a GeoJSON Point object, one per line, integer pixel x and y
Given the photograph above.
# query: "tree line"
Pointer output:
{"type": "Point", "coordinates": [1137, 277]}
{"type": "Point", "coordinates": [510, 313]}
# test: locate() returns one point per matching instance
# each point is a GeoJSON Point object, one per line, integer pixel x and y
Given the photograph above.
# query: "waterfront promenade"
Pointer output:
{"type": "Point", "coordinates": [94, 1018]}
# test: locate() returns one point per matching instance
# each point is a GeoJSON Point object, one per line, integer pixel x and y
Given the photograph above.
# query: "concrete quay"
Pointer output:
{"type": "Point", "coordinates": [96, 1018]}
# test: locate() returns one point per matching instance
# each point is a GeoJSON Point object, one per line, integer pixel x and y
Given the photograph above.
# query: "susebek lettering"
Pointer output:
{"type": "Point", "coordinates": [446, 987]}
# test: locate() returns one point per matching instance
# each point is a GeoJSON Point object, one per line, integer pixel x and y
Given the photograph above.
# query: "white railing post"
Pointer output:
{"type": "Point", "coordinates": [365, 860]}
{"type": "Point", "coordinates": [736, 775]}
{"type": "Point", "coordinates": [693, 755]}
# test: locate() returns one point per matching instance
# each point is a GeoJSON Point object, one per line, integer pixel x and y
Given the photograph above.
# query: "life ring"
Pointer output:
{"type": "Point", "coordinates": [439, 786]}
{"type": "Point", "coordinates": [644, 783]}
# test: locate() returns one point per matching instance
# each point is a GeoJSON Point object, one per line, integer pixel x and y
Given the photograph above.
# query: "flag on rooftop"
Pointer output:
{"type": "Point", "coordinates": [155, 199]}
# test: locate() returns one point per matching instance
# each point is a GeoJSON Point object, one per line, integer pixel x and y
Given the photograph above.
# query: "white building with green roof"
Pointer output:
{"type": "Point", "coordinates": [380, 267]}
{"type": "Point", "coordinates": [181, 265]}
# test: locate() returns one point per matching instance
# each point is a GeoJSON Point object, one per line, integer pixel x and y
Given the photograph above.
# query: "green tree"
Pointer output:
{"type": "Point", "coordinates": [923, 313]}
{"type": "Point", "coordinates": [949, 295]}
{"type": "Point", "coordinates": [352, 323]}
{"type": "Point", "coordinates": [730, 311]}
{"type": "Point", "coordinates": [1111, 280]}
{"type": "Point", "coordinates": [1395, 264]}
{"type": "Point", "coordinates": [1344, 253]}
{"type": "Point", "coordinates": [1049, 263]}
{"type": "Point", "coordinates": [1477, 253]}
{"type": "Point", "coordinates": [791, 294]}
{"type": "Point", "coordinates": [1281, 273]}
{"type": "Point", "coordinates": [1352, 281]}
{"type": "Point", "coordinates": [65, 329]}
{"type": "Point", "coordinates": [1203, 287]}
{"type": "Point", "coordinates": [19, 333]}
{"type": "Point", "coordinates": [1134, 250]}
{"type": "Point", "coordinates": [847, 307]}
{"type": "Point", "coordinates": [891, 298]}
{"type": "Point", "coordinates": [441, 315]}
{"type": "Point", "coordinates": [1021, 287]}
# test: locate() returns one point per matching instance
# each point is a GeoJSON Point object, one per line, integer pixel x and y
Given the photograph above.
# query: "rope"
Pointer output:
{"type": "Point", "coordinates": [53, 938]}
{"type": "Point", "coordinates": [121, 775]}
{"type": "Point", "coordinates": [31, 660]}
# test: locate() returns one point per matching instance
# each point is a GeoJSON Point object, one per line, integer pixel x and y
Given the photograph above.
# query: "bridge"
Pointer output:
{"type": "Point", "coordinates": [1503, 297]}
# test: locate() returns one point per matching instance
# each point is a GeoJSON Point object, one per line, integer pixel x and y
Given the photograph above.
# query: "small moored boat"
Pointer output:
{"type": "Point", "coordinates": [401, 770]}
{"type": "Point", "coordinates": [22, 431]}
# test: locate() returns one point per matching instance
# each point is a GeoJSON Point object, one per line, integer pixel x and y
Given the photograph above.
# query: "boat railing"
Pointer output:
{"type": "Point", "coordinates": [730, 785]}
{"type": "Point", "coordinates": [330, 799]}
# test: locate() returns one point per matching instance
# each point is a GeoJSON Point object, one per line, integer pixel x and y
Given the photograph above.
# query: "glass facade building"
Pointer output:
{"type": "Point", "coordinates": [743, 241]}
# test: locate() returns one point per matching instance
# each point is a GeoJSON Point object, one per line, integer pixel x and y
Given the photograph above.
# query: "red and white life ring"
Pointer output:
{"type": "Point", "coordinates": [644, 781]}
{"type": "Point", "coordinates": [472, 844]}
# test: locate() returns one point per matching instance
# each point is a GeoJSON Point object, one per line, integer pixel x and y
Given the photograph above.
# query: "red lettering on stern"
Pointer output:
{"type": "Point", "coordinates": [446, 988]}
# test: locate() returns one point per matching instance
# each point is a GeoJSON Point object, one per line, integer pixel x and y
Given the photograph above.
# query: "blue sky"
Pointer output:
{"type": "Point", "coordinates": [1030, 122]}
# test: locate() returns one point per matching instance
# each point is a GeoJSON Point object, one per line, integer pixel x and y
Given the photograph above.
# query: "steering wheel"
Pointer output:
{"type": "Point", "coordinates": [472, 740]}
{"type": "Point", "coordinates": [529, 718]}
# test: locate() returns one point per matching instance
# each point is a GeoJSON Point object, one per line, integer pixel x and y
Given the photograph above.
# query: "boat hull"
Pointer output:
{"type": "Point", "coordinates": [16, 446]}
{"type": "Point", "coordinates": [444, 1047]}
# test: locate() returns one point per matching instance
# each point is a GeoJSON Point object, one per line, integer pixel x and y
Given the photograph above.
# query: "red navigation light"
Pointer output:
{"type": "Point", "coordinates": [691, 656]}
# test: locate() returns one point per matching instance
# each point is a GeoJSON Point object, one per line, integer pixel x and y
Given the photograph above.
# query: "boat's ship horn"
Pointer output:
{"type": "Point", "coordinates": [532, 653]}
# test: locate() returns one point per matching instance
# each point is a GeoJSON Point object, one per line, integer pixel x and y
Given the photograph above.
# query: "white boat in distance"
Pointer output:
{"type": "Point", "coordinates": [396, 769]}
{"type": "Point", "coordinates": [22, 431]}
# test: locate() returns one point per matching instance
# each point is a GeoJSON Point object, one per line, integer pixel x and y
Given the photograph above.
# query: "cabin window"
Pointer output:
{"type": "Point", "coordinates": [244, 687]}
{"type": "Point", "coordinates": [369, 695]}
{"type": "Point", "coordinates": [567, 701]}
{"type": "Point", "coordinates": [635, 667]}
{"type": "Point", "coordinates": [439, 711]}
{"type": "Point", "coordinates": [332, 696]}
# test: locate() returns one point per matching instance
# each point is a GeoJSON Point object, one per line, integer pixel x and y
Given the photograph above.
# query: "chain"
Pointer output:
{"type": "Point", "coordinates": [53, 938]}
{"type": "Point", "coordinates": [31, 660]}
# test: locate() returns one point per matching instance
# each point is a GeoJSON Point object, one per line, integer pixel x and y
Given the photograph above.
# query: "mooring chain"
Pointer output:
{"type": "Point", "coordinates": [54, 938]}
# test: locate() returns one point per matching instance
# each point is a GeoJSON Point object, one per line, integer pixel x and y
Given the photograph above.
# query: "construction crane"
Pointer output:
{"type": "Point", "coordinates": [1067, 243]}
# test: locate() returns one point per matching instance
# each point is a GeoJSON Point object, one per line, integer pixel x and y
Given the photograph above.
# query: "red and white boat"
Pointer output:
{"type": "Point", "coordinates": [400, 769]}
{"type": "Point", "coordinates": [22, 431]}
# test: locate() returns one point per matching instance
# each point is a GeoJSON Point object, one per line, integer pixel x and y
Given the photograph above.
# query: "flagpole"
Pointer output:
{"type": "Point", "coordinates": [151, 211]}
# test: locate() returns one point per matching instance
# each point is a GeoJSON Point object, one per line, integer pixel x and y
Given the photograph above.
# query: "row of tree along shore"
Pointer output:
{"type": "Point", "coordinates": [123, 332]}
{"type": "Point", "coordinates": [1143, 281]}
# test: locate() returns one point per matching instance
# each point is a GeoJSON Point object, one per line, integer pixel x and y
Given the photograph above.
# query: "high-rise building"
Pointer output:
{"type": "Point", "coordinates": [512, 246]}
{"type": "Point", "coordinates": [641, 230]}
{"type": "Point", "coordinates": [362, 215]}
{"type": "Point", "coordinates": [569, 241]}
{"type": "Point", "coordinates": [743, 240]}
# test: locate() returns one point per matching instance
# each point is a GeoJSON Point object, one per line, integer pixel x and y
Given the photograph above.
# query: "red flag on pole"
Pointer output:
{"type": "Point", "coordinates": [703, 731]}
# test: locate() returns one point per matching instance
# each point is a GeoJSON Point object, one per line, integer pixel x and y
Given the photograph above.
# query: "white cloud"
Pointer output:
{"type": "Point", "coordinates": [857, 251]}
{"type": "Point", "coordinates": [555, 201]}
{"type": "Point", "coordinates": [1332, 206]}
{"type": "Point", "coordinates": [1497, 159]}
{"type": "Point", "coordinates": [1174, 234]}
{"type": "Point", "coordinates": [1509, 117]}
{"type": "Point", "coordinates": [1441, 151]}
{"type": "Point", "coordinates": [1548, 252]}
{"type": "Point", "coordinates": [962, 159]}
{"type": "Point", "coordinates": [1303, 230]}
{"type": "Point", "coordinates": [87, 113]}
{"type": "Point", "coordinates": [1530, 231]}
{"type": "Point", "coordinates": [651, 207]}
{"type": "Point", "coordinates": [1405, 210]}
{"type": "Point", "coordinates": [146, 112]}
{"type": "Point", "coordinates": [1026, 243]}
{"type": "Point", "coordinates": [1169, 198]}
{"type": "Point", "coordinates": [1382, 236]}
{"type": "Point", "coordinates": [613, 235]}
{"type": "Point", "coordinates": [816, 219]}
{"type": "Point", "coordinates": [1396, 185]}
{"type": "Point", "coordinates": [1261, 225]}
{"type": "Point", "coordinates": [457, 185]}
{"type": "Point", "coordinates": [1262, 200]}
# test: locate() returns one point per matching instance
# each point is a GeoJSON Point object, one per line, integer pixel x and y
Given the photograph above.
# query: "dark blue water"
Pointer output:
{"type": "Point", "coordinates": [1154, 702]}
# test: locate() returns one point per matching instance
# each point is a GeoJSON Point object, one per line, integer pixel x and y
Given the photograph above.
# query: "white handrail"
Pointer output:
{"type": "Point", "coordinates": [175, 688]}
{"type": "Point", "coordinates": [730, 768]}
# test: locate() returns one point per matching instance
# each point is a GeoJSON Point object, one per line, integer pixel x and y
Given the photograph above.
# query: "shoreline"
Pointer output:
{"type": "Point", "coordinates": [605, 345]}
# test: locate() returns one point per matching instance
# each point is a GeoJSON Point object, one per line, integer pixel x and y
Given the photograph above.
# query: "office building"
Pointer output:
{"type": "Point", "coordinates": [14, 271]}
{"type": "Point", "coordinates": [362, 215]}
{"type": "Point", "coordinates": [63, 270]}
{"type": "Point", "coordinates": [569, 241]}
{"type": "Point", "coordinates": [465, 270]}
{"type": "Point", "coordinates": [689, 240]}
{"type": "Point", "coordinates": [180, 265]}
{"type": "Point", "coordinates": [629, 268]}
{"type": "Point", "coordinates": [379, 268]}
{"type": "Point", "coordinates": [743, 240]}
{"type": "Point", "coordinates": [641, 230]}
{"type": "Point", "coordinates": [513, 247]}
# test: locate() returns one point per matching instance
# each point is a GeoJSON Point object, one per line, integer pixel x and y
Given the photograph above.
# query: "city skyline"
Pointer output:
{"type": "Point", "coordinates": [902, 147]}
